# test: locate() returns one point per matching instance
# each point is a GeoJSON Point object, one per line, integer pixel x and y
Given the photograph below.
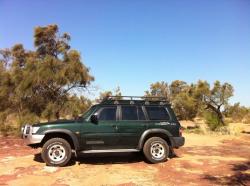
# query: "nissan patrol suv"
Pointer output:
{"type": "Point", "coordinates": [117, 124]}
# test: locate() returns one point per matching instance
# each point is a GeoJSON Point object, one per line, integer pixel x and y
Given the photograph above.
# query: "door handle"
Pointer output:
{"type": "Point", "coordinates": [115, 126]}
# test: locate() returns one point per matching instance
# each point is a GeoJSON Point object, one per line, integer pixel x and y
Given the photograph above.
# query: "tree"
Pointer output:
{"type": "Point", "coordinates": [201, 88]}
{"type": "Point", "coordinates": [5, 91]}
{"type": "Point", "coordinates": [103, 95]}
{"type": "Point", "coordinates": [158, 89]}
{"type": "Point", "coordinates": [42, 81]}
{"type": "Point", "coordinates": [5, 55]}
{"type": "Point", "coordinates": [116, 92]}
{"type": "Point", "coordinates": [177, 86]}
{"type": "Point", "coordinates": [218, 98]}
{"type": "Point", "coordinates": [236, 112]}
{"type": "Point", "coordinates": [184, 106]}
{"type": "Point", "coordinates": [5, 88]}
{"type": "Point", "coordinates": [179, 93]}
{"type": "Point", "coordinates": [75, 106]}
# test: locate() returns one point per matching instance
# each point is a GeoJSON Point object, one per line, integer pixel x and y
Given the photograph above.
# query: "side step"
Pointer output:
{"type": "Point", "coordinates": [109, 150]}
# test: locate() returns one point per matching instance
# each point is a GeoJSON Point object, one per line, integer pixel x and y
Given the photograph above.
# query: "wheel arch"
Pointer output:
{"type": "Point", "coordinates": [62, 133]}
{"type": "Point", "coordinates": [162, 133]}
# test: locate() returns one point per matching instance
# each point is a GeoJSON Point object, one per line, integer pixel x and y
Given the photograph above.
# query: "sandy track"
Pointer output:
{"type": "Point", "coordinates": [205, 160]}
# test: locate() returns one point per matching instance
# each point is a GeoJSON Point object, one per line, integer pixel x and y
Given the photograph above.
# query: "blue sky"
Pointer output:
{"type": "Point", "coordinates": [133, 43]}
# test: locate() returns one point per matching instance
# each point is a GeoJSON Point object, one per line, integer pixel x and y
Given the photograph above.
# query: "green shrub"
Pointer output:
{"type": "Point", "coordinates": [212, 120]}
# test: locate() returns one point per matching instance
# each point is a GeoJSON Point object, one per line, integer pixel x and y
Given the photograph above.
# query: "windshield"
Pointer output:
{"type": "Point", "coordinates": [88, 112]}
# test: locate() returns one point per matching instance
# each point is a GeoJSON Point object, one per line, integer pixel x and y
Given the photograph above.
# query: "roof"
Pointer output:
{"type": "Point", "coordinates": [134, 100]}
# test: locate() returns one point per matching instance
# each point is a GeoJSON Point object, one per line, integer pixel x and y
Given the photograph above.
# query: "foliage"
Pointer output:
{"type": "Point", "coordinates": [246, 118]}
{"type": "Point", "coordinates": [45, 83]}
{"type": "Point", "coordinates": [76, 106]}
{"type": "Point", "coordinates": [200, 89]}
{"type": "Point", "coordinates": [179, 94]}
{"type": "Point", "coordinates": [177, 87]}
{"type": "Point", "coordinates": [230, 129]}
{"type": "Point", "coordinates": [158, 89]}
{"type": "Point", "coordinates": [217, 98]}
{"type": "Point", "coordinates": [36, 84]}
{"type": "Point", "coordinates": [104, 94]}
{"type": "Point", "coordinates": [191, 100]}
{"type": "Point", "coordinates": [237, 112]}
{"type": "Point", "coordinates": [184, 106]}
{"type": "Point", "coordinates": [212, 120]}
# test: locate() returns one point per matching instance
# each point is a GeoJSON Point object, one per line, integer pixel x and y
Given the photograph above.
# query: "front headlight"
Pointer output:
{"type": "Point", "coordinates": [22, 129]}
{"type": "Point", "coordinates": [35, 129]}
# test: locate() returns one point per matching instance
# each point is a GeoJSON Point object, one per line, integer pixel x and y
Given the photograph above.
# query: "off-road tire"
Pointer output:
{"type": "Point", "coordinates": [159, 144]}
{"type": "Point", "coordinates": [53, 143]}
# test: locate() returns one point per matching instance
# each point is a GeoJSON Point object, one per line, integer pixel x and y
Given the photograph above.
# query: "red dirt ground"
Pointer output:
{"type": "Point", "coordinates": [204, 160]}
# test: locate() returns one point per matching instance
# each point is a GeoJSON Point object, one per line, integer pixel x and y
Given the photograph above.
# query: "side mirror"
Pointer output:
{"type": "Point", "coordinates": [94, 119]}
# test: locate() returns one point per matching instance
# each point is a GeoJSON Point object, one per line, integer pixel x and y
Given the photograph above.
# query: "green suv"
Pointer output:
{"type": "Point", "coordinates": [117, 124]}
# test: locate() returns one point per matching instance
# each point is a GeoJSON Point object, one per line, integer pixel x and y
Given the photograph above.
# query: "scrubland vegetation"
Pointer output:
{"type": "Point", "coordinates": [46, 83]}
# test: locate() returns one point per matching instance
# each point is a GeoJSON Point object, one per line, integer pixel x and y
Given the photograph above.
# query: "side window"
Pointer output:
{"type": "Point", "coordinates": [157, 113]}
{"type": "Point", "coordinates": [108, 113]}
{"type": "Point", "coordinates": [129, 113]}
{"type": "Point", "coordinates": [141, 115]}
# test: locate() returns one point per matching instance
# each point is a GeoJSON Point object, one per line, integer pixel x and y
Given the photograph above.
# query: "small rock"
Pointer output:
{"type": "Point", "coordinates": [50, 169]}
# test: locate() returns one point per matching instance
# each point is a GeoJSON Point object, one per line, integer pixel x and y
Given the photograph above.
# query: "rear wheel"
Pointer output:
{"type": "Point", "coordinates": [56, 152]}
{"type": "Point", "coordinates": [156, 150]}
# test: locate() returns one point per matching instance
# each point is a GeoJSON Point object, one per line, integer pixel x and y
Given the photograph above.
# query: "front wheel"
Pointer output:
{"type": "Point", "coordinates": [156, 150]}
{"type": "Point", "coordinates": [56, 152]}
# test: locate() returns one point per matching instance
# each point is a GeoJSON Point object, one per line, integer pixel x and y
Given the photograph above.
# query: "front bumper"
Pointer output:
{"type": "Point", "coordinates": [30, 138]}
{"type": "Point", "coordinates": [178, 141]}
{"type": "Point", "coordinates": [33, 139]}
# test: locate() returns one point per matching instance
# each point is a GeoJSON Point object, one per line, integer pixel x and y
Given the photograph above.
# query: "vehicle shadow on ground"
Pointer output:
{"type": "Point", "coordinates": [110, 158]}
{"type": "Point", "coordinates": [103, 158]}
{"type": "Point", "coordinates": [239, 176]}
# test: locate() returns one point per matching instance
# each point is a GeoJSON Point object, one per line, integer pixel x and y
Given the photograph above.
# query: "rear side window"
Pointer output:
{"type": "Point", "coordinates": [129, 113]}
{"type": "Point", "coordinates": [132, 113]}
{"type": "Point", "coordinates": [157, 113]}
{"type": "Point", "coordinates": [108, 113]}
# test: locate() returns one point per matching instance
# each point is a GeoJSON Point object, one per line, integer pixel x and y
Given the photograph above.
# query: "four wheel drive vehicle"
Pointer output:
{"type": "Point", "coordinates": [117, 124]}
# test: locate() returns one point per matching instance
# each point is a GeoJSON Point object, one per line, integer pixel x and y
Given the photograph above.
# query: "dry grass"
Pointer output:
{"type": "Point", "coordinates": [198, 126]}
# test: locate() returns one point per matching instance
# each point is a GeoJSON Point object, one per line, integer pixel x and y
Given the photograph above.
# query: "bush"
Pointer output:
{"type": "Point", "coordinates": [232, 129]}
{"type": "Point", "coordinates": [198, 129]}
{"type": "Point", "coordinates": [212, 120]}
{"type": "Point", "coordinates": [237, 112]}
{"type": "Point", "coordinates": [246, 119]}
{"type": "Point", "coordinates": [8, 124]}
{"type": "Point", "coordinates": [27, 118]}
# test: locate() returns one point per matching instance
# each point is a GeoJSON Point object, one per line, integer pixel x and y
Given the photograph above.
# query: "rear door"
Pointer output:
{"type": "Point", "coordinates": [131, 124]}
{"type": "Point", "coordinates": [103, 135]}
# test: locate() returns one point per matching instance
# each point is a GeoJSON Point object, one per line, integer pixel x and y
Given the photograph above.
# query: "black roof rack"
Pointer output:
{"type": "Point", "coordinates": [143, 100]}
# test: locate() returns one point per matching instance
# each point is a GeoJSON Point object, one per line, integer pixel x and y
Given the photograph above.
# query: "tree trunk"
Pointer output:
{"type": "Point", "coordinates": [57, 115]}
{"type": "Point", "coordinates": [220, 117]}
{"type": "Point", "coordinates": [217, 112]}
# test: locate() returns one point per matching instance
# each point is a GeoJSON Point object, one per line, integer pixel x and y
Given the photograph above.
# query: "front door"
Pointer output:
{"type": "Point", "coordinates": [104, 134]}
